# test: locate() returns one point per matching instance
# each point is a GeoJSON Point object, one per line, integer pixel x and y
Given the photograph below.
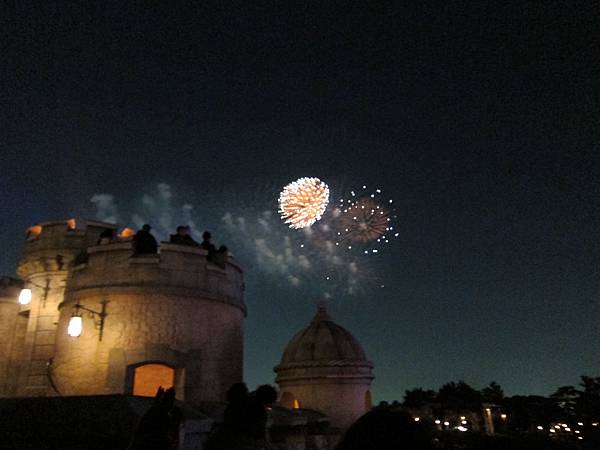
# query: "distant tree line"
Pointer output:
{"type": "Point", "coordinates": [579, 403]}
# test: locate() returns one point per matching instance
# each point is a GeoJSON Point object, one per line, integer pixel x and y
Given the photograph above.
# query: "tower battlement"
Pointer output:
{"type": "Point", "coordinates": [54, 245]}
{"type": "Point", "coordinates": [170, 318]}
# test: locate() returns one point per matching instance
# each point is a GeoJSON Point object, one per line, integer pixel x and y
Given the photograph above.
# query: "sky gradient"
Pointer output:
{"type": "Point", "coordinates": [480, 123]}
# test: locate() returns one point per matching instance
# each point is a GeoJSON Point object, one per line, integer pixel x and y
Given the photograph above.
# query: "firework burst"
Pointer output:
{"type": "Point", "coordinates": [363, 221]}
{"type": "Point", "coordinates": [303, 202]}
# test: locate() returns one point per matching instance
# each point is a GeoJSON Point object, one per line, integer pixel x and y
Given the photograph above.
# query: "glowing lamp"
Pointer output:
{"type": "Point", "coordinates": [417, 419]}
{"type": "Point", "coordinates": [75, 326]}
{"type": "Point", "coordinates": [25, 296]}
{"type": "Point", "coordinates": [126, 233]}
{"type": "Point", "coordinates": [71, 224]}
{"type": "Point", "coordinates": [296, 404]}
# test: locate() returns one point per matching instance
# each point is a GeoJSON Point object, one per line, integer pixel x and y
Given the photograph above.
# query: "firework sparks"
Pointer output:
{"type": "Point", "coordinates": [303, 202]}
{"type": "Point", "coordinates": [364, 221]}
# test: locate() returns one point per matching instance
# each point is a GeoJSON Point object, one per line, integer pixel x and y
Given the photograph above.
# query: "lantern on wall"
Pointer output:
{"type": "Point", "coordinates": [25, 296]}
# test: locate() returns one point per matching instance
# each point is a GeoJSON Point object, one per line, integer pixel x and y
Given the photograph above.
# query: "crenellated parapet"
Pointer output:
{"type": "Point", "coordinates": [52, 246]}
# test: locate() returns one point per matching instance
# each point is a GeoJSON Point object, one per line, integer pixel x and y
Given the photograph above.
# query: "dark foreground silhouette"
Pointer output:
{"type": "Point", "coordinates": [158, 429]}
{"type": "Point", "coordinates": [382, 429]}
{"type": "Point", "coordinates": [245, 419]}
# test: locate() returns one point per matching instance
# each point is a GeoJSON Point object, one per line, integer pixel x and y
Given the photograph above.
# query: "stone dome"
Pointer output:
{"type": "Point", "coordinates": [323, 341]}
{"type": "Point", "coordinates": [324, 368]}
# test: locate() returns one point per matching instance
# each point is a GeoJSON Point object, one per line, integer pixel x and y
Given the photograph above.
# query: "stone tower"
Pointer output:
{"type": "Point", "coordinates": [171, 318]}
{"type": "Point", "coordinates": [49, 251]}
{"type": "Point", "coordinates": [325, 368]}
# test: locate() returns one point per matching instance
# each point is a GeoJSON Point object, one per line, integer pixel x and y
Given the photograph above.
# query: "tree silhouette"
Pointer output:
{"type": "Point", "coordinates": [416, 398]}
{"type": "Point", "coordinates": [493, 393]}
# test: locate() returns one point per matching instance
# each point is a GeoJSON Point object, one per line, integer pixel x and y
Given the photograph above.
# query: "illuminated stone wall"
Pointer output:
{"type": "Point", "coordinates": [342, 402]}
{"type": "Point", "coordinates": [174, 308]}
{"type": "Point", "coordinates": [48, 252]}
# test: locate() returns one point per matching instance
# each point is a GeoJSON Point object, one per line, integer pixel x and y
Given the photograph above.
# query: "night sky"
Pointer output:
{"type": "Point", "coordinates": [482, 125]}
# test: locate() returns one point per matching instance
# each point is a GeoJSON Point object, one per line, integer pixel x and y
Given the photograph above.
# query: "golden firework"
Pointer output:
{"type": "Point", "coordinates": [303, 202]}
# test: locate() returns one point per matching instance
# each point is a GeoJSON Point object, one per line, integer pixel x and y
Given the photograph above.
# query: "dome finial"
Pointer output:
{"type": "Point", "coordinates": [321, 315]}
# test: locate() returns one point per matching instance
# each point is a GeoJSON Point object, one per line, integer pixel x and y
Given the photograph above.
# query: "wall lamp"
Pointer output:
{"type": "Point", "coordinates": [26, 295]}
{"type": "Point", "coordinates": [76, 321]}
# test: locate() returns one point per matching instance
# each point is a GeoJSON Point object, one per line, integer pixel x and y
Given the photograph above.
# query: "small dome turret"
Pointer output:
{"type": "Point", "coordinates": [325, 368]}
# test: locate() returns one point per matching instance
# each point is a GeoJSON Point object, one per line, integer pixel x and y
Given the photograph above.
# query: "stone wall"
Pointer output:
{"type": "Point", "coordinates": [44, 267]}
{"type": "Point", "coordinates": [174, 308]}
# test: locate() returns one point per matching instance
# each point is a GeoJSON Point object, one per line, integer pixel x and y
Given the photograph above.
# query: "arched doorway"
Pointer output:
{"type": "Point", "coordinates": [148, 377]}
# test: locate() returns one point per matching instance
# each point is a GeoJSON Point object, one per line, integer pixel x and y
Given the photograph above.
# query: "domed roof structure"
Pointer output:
{"type": "Point", "coordinates": [323, 341]}
{"type": "Point", "coordinates": [324, 368]}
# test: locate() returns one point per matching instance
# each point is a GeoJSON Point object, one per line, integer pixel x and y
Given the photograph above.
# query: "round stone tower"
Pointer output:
{"type": "Point", "coordinates": [49, 251]}
{"type": "Point", "coordinates": [324, 368]}
{"type": "Point", "coordinates": [171, 318]}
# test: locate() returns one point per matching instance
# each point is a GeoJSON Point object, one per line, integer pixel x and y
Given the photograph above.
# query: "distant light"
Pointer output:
{"type": "Point", "coordinates": [364, 187]}
{"type": "Point", "coordinates": [595, 424]}
{"type": "Point", "coordinates": [75, 326]}
{"type": "Point", "coordinates": [577, 431]}
{"type": "Point", "coordinates": [417, 419]}
{"type": "Point", "coordinates": [579, 437]}
{"type": "Point", "coordinates": [461, 428]}
{"type": "Point", "coordinates": [557, 426]}
{"type": "Point", "coordinates": [301, 245]}
{"type": "Point", "coordinates": [539, 427]}
{"type": "Point", "coordinates": [447, 423]}
{"type": "Point", "coordinates": [567, 429]}
{"type": "Point", "coordinates": [25, 296]}
{"type": "Point", "coordinates": [580, 424]}
{"type": "Point", "coordinates": [564, 425]}
{"type": "Point", "coordinates": [503, 416]}
{"type": "Point", "coordinates": [552, 430]}
{"type": "Point", "coordinates": [462, 417]}
{"type": "Point", "coordinates": [464, 422]}
{"type": "Point", "coordinates": [438, 421]}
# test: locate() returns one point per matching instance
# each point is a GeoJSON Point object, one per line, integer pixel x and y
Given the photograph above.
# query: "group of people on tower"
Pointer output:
{"type": "Point", "coordinates": [144, 243]}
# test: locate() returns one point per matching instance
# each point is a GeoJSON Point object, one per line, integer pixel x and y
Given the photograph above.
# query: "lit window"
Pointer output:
{"type": "Point", "coordinates": [149, 377]}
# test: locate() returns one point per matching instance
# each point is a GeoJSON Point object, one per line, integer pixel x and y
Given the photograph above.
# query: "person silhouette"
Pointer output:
{"type": "Point", "coordinates": [182, 237]}
{"type": "Point", "coordinates": [158, 429]}
{"type": "Point", "coordinates": [143, 241]}
{"type": "Point", "coordinates": [383, 429]}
